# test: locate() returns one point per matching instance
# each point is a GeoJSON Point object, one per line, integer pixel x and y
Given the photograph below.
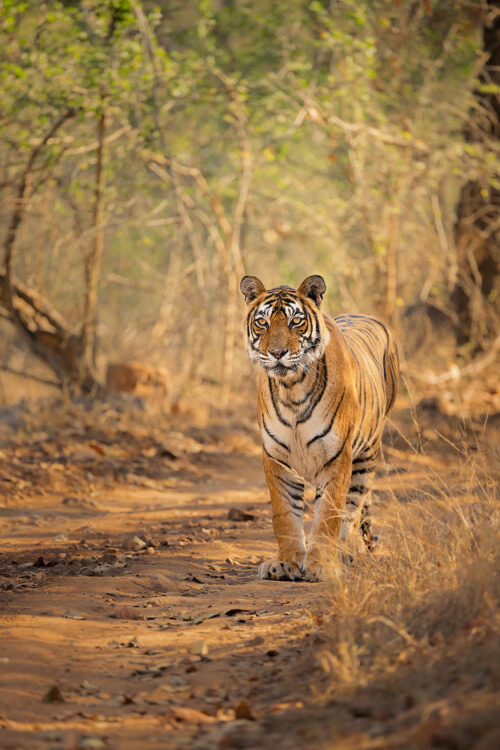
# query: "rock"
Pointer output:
{"type": "Point", "coordinates": [235, 514]}
{"type": "Point", "coordinates": [243, 711]}
{"type": "Point", "coordinates": [73, 614]}
{"type": "Point", "coordinates": [162, 584]}
{"type": "Point", "coordinates": [108, 557]}
{"type": "Point", "coordinates": [60, 538]}
{"type": "Point", "coordinates": [155, 697]}
{"type": "Point", "coordinates": [139, 379]}
{"type": "Point", "coordinates": [134, 643]}
{"type": "Point", "coordinates": [88, 530]}
{"type": "Point", "coordinates": [100, 570]}
{"type": "Point", "coordinates": [86, 685]}
{"type": "Point", "coordinates": [127, 613]}
{"type": "Point", "coordinates": [90, 743]}
{"type": "Point", "coordinates": [79, 502]}
{"type": "Point", "coordinates": [53, 695]}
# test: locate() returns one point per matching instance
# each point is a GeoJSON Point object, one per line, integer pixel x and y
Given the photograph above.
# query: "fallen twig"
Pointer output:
{"type": "Point", "coordinates": [455, 372]}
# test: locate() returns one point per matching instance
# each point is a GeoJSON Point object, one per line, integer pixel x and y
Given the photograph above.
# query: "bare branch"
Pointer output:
{"type": "Point", "coordinates": [38, 379]}
{"type": "Point", "coordinates": [22, 198]}
{"type": "Point", "coordinates": [456, 373]}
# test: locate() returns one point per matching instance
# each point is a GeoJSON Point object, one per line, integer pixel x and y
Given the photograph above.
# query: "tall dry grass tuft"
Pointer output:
{"type": "Point", "coordinates": [415, 628]}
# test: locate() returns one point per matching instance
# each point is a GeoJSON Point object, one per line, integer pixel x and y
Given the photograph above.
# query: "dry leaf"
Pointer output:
{"type": "Point", "coordinates": [198, 648]}
{"type": "Point", "coordinates": [97, 448]}
{"type": "Point", "coordinates": [183, 713]}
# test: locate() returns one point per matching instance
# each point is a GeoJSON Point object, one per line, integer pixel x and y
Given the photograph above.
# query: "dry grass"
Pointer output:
{"type": "Point", "coordinates": [412, 650]}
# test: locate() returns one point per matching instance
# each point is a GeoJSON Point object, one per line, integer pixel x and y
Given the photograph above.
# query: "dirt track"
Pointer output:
{"type": "Point", "coordinates": [141, 604]}
{"type": "Point", "coordinates": [125, 584]}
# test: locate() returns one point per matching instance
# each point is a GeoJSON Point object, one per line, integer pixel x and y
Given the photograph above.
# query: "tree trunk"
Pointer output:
{"type": "Point", "coordinates": [477, 227]}
{"type": "Point", "coordinates": [45, 332]}
{"type": "Point", "coordinates": [36, 320]}
{"type": "Point", "coordinates": [93, 260]}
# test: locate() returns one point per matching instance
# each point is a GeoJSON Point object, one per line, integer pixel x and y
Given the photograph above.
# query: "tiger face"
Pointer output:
{"type": "Point", "coordinates": [285, 328]}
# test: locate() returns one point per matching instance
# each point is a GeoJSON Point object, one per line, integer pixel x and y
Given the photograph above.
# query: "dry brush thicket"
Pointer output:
{"type": "Point", "coordinates": [411, 633]}
{"type": "Point", "coordinates": [149, 159]}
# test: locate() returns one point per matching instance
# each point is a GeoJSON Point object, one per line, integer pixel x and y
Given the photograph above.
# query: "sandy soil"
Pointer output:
{"type": "Point", "coordinates": [131, 613]}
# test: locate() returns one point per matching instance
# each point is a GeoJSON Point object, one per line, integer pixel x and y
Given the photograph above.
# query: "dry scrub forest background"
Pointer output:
{"type": "Point", "coordinates": [151, 154]}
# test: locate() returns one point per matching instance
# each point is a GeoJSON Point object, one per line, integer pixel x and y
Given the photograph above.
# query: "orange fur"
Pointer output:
{"type": "Point", "coordinates": [324, 388]}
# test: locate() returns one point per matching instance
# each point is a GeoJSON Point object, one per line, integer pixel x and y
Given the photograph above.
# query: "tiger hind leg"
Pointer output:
{"type": "Point", "coordinates": [356, 533]}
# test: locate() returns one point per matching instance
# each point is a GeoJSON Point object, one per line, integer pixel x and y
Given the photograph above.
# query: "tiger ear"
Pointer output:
{"type": "Point", "coordinates": [314, 288]}
{"type": "Point", "coordinates": [251, 287]}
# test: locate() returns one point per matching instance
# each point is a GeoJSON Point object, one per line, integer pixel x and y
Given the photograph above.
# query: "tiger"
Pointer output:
{"type": "Point", "coordinates": [325, 386]}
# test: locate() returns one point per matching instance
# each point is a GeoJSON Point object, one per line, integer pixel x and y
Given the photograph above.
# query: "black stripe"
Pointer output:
{"type": "Point", "coordinates": [300, 379]}
{"type": "Point", "coordinates": [283, 445]}
{"type": "Point", "coordinates": [362, 471]}
{"type": "Point", "coordinates": [273, 399]}
{"type": "Point", "coordinates": [297, 403]}
{"type": "Point", "coordinates": [327, 430]}
{"type": "Point", "coordinates": [364, 458]}
{"type": "Point", "coordinates": [363, 390]}
{"type": "Point", "coordinates": [360, 490]}
{"type": "Point", "coordinates": [312, 312]}
{"type": "Point", "coordinates": [353, 502]}
{"type": "Point", "coordinates": [309, 410]}
{"type": "Point", "coordinates": [333, 458]}
{"type": "Point", "coordinates": [278, 460]}
{"type": "Point", "coordinates": [382, 326]}
{"type": "Point", "coordinates": [299, 487]}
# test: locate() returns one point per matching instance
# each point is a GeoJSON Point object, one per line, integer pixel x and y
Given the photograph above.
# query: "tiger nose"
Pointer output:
{"type": "Point", "coordinates": [278, 353]}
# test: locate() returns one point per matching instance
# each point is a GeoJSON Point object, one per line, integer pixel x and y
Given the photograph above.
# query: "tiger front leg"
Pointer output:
{"type": "Point", "coordinates": [333, 483]}
{"type": "Point", "coordinates": [287, 500]}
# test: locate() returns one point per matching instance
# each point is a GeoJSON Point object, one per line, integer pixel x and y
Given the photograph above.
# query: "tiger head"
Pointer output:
{"type": "Point", "coordinates": [284, 326]}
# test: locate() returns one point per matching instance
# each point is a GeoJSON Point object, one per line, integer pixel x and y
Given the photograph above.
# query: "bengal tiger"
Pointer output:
{"type": "Point", "coordinates": [325, 387]}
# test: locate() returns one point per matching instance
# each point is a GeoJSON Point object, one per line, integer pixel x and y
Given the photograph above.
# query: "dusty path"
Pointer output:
{"type": "Point", "coordinates": [141, 604]}
{"type": "Point", "coordinates": [128, 587]}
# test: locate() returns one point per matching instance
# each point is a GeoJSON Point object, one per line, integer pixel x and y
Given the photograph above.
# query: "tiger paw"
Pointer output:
{"type": "Point", "coordinates": [313, 573]}
{"type": "Point", "coordinates": [275, 570]}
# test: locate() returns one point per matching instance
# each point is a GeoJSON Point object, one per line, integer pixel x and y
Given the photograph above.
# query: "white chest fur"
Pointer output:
{"type": "Point", "coordinates": [297, 443]}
